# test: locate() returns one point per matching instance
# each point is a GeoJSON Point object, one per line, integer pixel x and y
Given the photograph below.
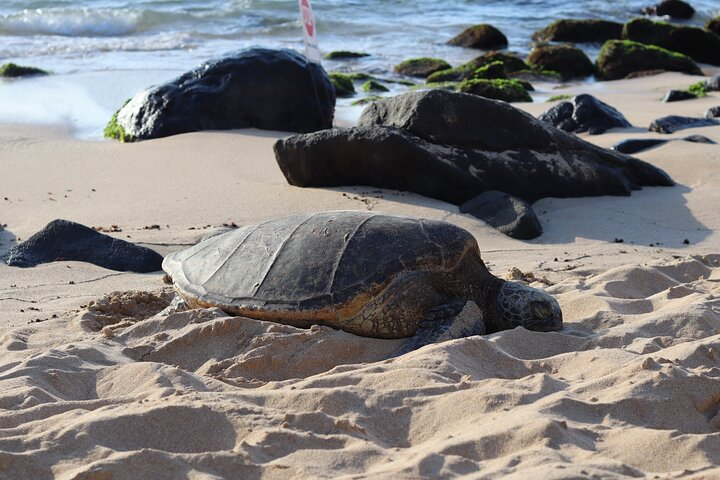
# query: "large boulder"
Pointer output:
{"type": "Point", "coordinates": [672, 9]}
{"type": "Point", "coordinates": [620, 58]}
{"type": "Point", "coordinates": [253, 88]}
{"type": "Point", "coordinates": [569, 61]}
{"type": "Point", "coordinates": [510, 215]}
{"type": "Point", "coordinates": [585, 113]}
{"type": "Point", "coordinates": [65, 240]}
{"type": "Point", "coordinates": [698, 44]}
{"type": "Point", "coordinates": [579, 31]}
{"type": "Point", "coordinates": [713, 112]}
{"type": "Point", "coordinates": [453, 147]}
{"type": "Point", "coordinates": [674, 123]}
{"type": "Point", "coordinates": [482, 36]}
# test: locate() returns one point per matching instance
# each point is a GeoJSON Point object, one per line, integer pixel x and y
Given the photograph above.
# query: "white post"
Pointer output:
{"type": "Point", "coordinates": [312, 52]}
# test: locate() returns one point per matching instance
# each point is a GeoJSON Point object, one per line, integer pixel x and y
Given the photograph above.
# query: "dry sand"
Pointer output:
{"type": "Point", "coordinates": [99, 385]}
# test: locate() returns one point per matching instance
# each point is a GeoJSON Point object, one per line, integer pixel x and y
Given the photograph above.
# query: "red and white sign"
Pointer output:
{"type": "Point", "coordinates": [312, 52]}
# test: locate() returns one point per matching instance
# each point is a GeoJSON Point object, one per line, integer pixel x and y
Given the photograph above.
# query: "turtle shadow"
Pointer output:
{"type": "Point", "coordinates": [8, 240]}
{"type": "Point", "coordinates": [654, 216]}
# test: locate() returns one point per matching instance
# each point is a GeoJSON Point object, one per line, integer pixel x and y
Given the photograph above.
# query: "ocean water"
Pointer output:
{"type": "Point", "coordinates": [101, 52]}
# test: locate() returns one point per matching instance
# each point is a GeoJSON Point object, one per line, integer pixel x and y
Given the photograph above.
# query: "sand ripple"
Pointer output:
{"type": "Point", "coordinates": [630, 388]}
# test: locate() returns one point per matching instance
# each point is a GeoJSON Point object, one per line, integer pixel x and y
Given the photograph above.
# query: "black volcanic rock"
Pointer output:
{"type": "Point", "coordinates": [699, 44]}
{"type": "Point", "coordinates": [622, 58]}
{"type": "Point", "coordinates": [584, 114]}
{"type": "Point", "coordinates": [635, 145]}
{"type": "Point", "coordinates": [673, 123]}
{"type": "Point", "coordinates": [671, 8]}
{"type": "Point", "coordinates": [509, 215]}
{"type": "Point", "coordinates": [453, 147]}
{"type": "Point", "coordinates": [253, 88]}
{"type": "Point", "coordinates": [64, 240]}
{"type": "Point", "coordinates": [482, 36]}
{"type": "Point", "coordinates": [579, 31]}
{"type": "Point", "coordinates": [713, 112]}
{"type": "Point", "coordinates": [567, 60]}
{"type": "Point", "coordinates": [678, 95]}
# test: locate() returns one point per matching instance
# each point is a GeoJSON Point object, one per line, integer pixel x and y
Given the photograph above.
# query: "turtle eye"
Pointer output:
{"type": "Point", "coordinates": [541, 310]}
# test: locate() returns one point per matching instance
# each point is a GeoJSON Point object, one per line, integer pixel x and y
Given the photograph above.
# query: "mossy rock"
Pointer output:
{"type": "Point", "coordinates": [498, 89]}
{"type": "Point", "coordinates": [344, 55]}
{"type": "Point", "coordinates": [421, 67]}
{"type": "Point", "coordinates": [568, 61]}
{"type": "Point", "coordinates": [449, 86]}
{"type": "Point", "coordinates": [579, 31]}
{"type": "Point", "coordinates": [482, 36]}
{"type": "Point", "coordinates": [512, 63]}
{"type": "Point", "coordinates": [452, 74]}
{"type": "Point", "coordinates": [358, 76]}
{"type": "Point", "coordinates": [713, 25]}
{"type": "Point", "coordinates": [620, 58]}
{"type": "Point", "coordinates": [537, 75]}
{"type": "Point", "coordinates": [374, 86]}
{"type": "Point", "coordinates": [114, 130]}
{"type": "Point", "coordinates": [490, 71]}
{"type": "Point", "coordinates": [557, 98]}
{"type": "Point", "coordinates": [700, 45]}
{"type": "Point", "coordinates": [342, 84]}
{"type": "Point", "coordinates": [366, 100]}
{"type": "Point", "coordinates": [12, 70]}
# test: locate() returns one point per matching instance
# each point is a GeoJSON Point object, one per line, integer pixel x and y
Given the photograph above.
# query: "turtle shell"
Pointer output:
{"type": "Point", "coordinates": [321, 266]}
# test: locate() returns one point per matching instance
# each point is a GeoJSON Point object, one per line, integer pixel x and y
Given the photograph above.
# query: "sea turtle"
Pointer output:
{"type": "Point", "coordinates": [370, 274]}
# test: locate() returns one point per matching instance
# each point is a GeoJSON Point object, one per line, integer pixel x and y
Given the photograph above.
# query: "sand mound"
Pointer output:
{"type": "Point", "coordinates": [124, 390]}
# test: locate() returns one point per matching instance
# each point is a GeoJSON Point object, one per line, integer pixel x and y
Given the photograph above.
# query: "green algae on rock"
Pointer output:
{"type": "Point", "coordinates": [343, 84]}
{"type": "Point", "coordinates": [698, 44]}
{"type": "Point", "coordinates": [620, 58]}
{"type": "Point", "coordinates": [569, 61]}
{"type": "Point", "coordinates": [114, 130]}
{"type": "Point", "coordinates": [374, 86]}
{"type": "Point", "coordinates": [12, 70]}
{"type": "Point", "coordinates": [497, 89]}
{"type": "Point", "coordinates": [421, 67]}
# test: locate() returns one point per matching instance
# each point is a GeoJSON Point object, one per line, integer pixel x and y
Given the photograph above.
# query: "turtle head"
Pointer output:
{"type": "Point", "coordinates": [522, 306]}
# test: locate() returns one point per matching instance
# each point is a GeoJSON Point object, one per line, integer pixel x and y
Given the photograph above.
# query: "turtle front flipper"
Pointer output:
{"type": "Point", "coordinates": [453, 320]}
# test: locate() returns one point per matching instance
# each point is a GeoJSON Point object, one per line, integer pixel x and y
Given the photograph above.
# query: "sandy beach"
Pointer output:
{"type": "Point", "coordinates": [94, 384]}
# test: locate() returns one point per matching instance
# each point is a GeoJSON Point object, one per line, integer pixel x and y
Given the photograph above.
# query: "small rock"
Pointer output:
{"type": "Point", "coordinates": [510, 215]}
{"type": "Point", "coordinates": [674, 123]}
{"type": "Point", "coordinates": [635, 145]}
{"type": "Point", "coordinates": [678, 95]}
{"type": "Point", "coordinates": [64, 240]}
{"type": "Point", "coordinates": [585, 114]}
{"type": "Point", "coordinates": [480, 36]}
{"type": "Point", "coordinates": [698, 139]}
{"type": "Point", "coordinates": [713, 112]}
{"type": "Point", "coordinates": [713, 83]}
{"type": "Point", "coordinates": [671, 8]}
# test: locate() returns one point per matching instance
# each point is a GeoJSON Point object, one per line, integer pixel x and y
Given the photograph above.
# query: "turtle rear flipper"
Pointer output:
{"type": "Point", "coordinates": [449, 321]}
